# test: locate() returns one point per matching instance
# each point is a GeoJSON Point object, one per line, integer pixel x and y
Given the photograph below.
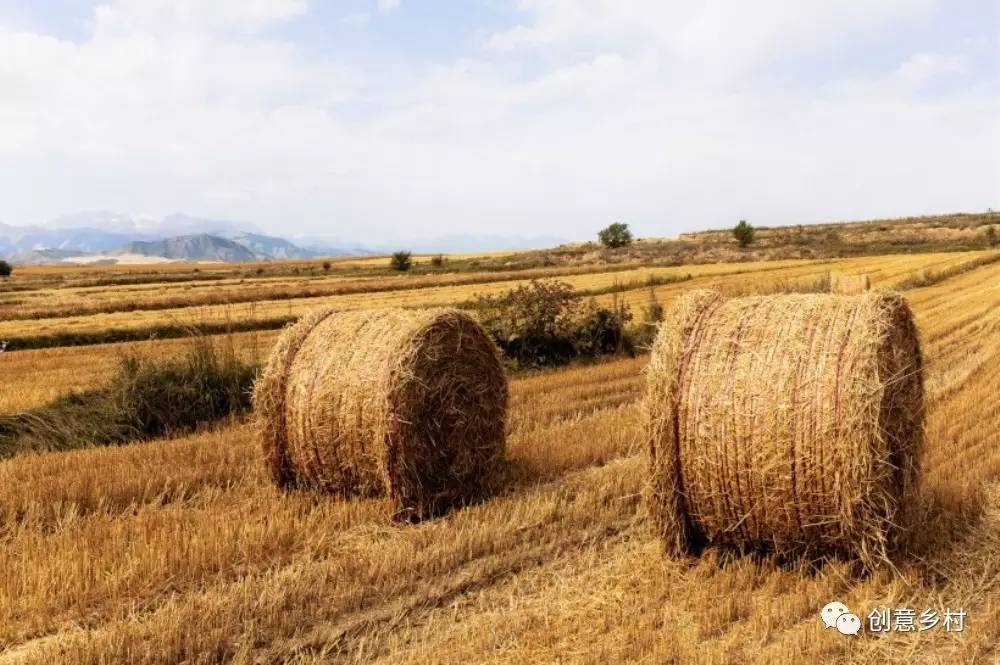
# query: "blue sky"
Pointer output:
{"type": "Point", "coordinates": [402, 118]}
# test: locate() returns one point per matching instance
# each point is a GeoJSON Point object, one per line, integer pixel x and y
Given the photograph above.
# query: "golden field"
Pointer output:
{"type": "Point", "coordinates": [182, 551]}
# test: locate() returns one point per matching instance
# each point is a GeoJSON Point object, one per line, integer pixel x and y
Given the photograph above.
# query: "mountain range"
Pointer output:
{"type": "Point", "coordinates": [108, 237]}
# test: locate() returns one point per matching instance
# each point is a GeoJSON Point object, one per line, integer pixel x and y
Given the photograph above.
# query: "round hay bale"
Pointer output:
{"type": "Point", "coordinates": [849, 285]}
{"type": "Point", "coordinates": [784, 423]}
{"type": "Point", "coordinates": [402, 403]}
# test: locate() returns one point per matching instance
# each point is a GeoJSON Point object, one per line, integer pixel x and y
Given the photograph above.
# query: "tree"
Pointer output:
{"type": "Point", "coordinates": [5, 269]}
{"type": "Point", "coordinates": [326, 266]}
{"type": "Point", "coordinates": [616, 235]}
{"type": "Point", "coordinates": [743, 233]}
{"type": "Point", "coordinates": [401, 261]}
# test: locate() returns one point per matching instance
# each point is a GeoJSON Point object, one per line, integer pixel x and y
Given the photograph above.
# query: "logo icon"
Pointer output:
{"type": "Point", "coordinates": [848, 624]}
{"type": "Point", "coordinates": [832, 612]}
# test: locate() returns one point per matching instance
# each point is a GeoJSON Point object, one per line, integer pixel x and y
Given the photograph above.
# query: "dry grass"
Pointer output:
{"type": "Point", "coordinates": [185, 551]}
{"type": "Point", "coordinates": [792, 423]}
{"type": "Point", "coordinates": [384, 292]}
{"type": "Point", "coordinates": [849, 285]}
{"type": "Point", "coordinates": [407, 404]}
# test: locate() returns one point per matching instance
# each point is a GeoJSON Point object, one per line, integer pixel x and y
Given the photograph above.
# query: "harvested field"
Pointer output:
{"type": "Point", "coordinates": [184, 550]}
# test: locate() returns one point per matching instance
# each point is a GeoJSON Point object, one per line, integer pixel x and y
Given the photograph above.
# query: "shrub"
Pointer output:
{"type": "Point", "coordinates": [991, 240]}
{"type": "Point", "coordinates": [401, 261]}
{"type": "Point", "coordinates": [616, 235]}
{"type": "Point", "coordinates": [601, 330]}
{"type": "Point", "coordinates": [145, 399]}
{"type": "Point", "coordinates": [6, 269]}
{"type": "Point", "coordinates": [648, 326]}
{"type": "Point", "coordinates": [326, 266]}
{"type": "Point", "coordinates": [743, 233]}
{"type": "Point", "coordinates": [437, 260]}
{"type": "Point", "coordinates": [546, 323]}
{"type": "Point", "coordinates": [532, 323]}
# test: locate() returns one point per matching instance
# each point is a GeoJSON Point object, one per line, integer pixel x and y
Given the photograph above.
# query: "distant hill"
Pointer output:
{"type": "Point", "coordinates": [36, 256]}
{"type": "Point", "coordinates": [79, 240]}
{"type": "Point", "coordinates": [107, 237]}
{"type": "Point", "coordinates": [200, 247]}
{"type": "Point", "coordinates": [270, 246]}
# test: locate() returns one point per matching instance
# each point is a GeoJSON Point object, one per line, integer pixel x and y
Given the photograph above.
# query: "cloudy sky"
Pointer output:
{"type": "Point", "coordinates": [362, 118]}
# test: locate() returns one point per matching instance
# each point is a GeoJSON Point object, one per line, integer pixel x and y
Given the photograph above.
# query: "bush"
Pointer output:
{"type": "Point", "coordinates": [145, 399]}
{"type": "Point", "coordinates": [743, 233]}
{"type": "Point", "coordinates": [652, 316]}
{"type": "Point", "coordinates": [546, 323]}
{"type": "Point", "coordinates": [601, 330]}
{"type": "Point", "coordinates": [616, 235]}
{"type": "Point", "coordinates": [532, 323]}
{"type": "Point", "coordinates": [991, 240]}
{"type": "Point", "coordinates": [5, 269]}
{"type": "Point", "coordinates": [401, 261]}
{"type": "Point", "coordinates": [326, 266]}
{"type": "Point", "coordinates": [437, 260]}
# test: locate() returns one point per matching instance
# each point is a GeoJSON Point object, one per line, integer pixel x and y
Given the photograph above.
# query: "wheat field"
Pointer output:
{"type": "Point", "coordinates": [181, 550]}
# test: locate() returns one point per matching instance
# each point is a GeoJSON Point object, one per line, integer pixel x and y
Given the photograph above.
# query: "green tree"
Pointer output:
{"type": "Point", "coordinates": [5, 269]}
{"type": "Point", "coordinates": [401, 261]}
{"type": "Point", "coordinates": [743, 233]}
{"type": "Point", "coordinates": [616, 235]}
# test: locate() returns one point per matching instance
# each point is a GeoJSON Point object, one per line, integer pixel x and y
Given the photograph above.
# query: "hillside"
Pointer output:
{"type": "Point", "coordinates": [201, 247]}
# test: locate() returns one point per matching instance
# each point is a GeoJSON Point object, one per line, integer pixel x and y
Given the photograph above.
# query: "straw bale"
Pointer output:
{"type": "Point", "coordinates": [784, 423]}
{"type": "Point", "coordinates": [400, 403]}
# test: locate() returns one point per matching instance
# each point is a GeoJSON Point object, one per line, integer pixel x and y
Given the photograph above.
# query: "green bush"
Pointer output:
{"type": "Point", "coordinates": [5, 269]}
{"type": "Point", "coordinates": [615, 235]}
{"type": "Point", "coordinates": [743, 233]}
{"type": "Point", "coordinates": [601, 331]}
{"type": "Point", "coordinates": [652, 315]}
{"type": "Point", "coordinates": [145, 399]}
{"type": "Point", "coordinates": [401, 261]}
{"type": "Point", "coordinates": [546, 323]}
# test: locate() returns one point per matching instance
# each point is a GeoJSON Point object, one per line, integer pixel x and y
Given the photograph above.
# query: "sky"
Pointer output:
{"type": "Point", "coordinates": [364, 119]}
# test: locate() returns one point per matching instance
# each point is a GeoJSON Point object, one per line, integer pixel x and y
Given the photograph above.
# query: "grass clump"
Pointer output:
{"type": "Point", "coordinates": [145, 399]}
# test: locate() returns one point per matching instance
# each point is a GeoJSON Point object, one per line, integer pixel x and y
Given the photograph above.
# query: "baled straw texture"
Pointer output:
{"type": "Point", "coordinates": [790, 423]}
{"type": "Point", "coordinates": [403, 403]}
{"type": "Point", "coordinates": [849, 285]}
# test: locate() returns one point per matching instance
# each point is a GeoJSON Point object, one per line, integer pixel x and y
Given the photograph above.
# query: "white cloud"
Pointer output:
{"type": "Point", "coordinates": [161, 110]}
{"type": "Point", "coordinates": [385, 6]}
{"type": "Point", "coordinates": [922, 67]}
{"type": "Point", "coordinates": [125, 16]}
{"type": "Point", "coordinates": [719, 33]}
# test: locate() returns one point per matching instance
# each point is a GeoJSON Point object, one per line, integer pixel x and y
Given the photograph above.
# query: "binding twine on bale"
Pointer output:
{"type": "Point", "coordinates": [790, 423]}
{"type": "Point", "coordinates": [399, 403]}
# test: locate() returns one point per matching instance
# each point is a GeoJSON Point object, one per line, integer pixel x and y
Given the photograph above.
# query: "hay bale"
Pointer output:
{"type": "Point", "coordinates": [784, 423]}
{"type": "Point", "coordinates": [402, 403]}
{"type": "Point", "coordinates": [849, 285]}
